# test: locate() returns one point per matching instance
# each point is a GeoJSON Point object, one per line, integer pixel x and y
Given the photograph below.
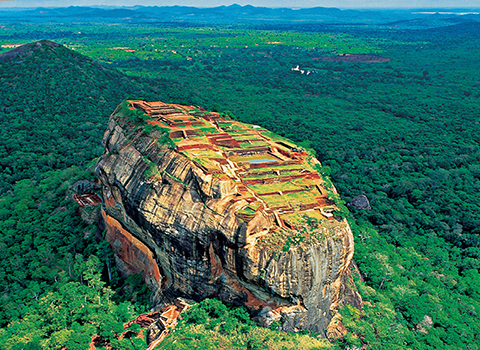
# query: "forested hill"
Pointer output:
{"type": "Point", "coordinates": [54, 105]}
{"type": "Point", "coordinates": [19, 53]}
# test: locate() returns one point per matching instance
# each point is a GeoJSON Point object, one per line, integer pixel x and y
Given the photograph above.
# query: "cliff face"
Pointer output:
{"type": "Point", "coordinates": [207, 207]}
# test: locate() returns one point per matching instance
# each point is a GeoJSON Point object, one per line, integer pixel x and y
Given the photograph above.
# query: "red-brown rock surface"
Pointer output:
{"type": "Point", "coordinates": [181, 206]}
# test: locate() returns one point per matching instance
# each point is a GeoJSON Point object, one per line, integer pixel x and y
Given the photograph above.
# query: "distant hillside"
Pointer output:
{"type": "Point", "coordinates": [221, 14]}
{"type": "Point", "coordinates": [394, 19]}
{"type": "Point", "coordinates": [54, 107]}
{"type": "Point", "coordinates": [433, 21]}
{"type": "Point", "coordinates": [466, 29]}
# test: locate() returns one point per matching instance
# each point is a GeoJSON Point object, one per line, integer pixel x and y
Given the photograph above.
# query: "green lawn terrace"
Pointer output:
{"type": "Point", "coordinates": [272, 173]}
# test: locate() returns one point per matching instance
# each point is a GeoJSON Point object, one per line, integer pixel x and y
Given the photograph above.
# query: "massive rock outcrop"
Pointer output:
{"type": "Point", "coordinates": [208, 207]}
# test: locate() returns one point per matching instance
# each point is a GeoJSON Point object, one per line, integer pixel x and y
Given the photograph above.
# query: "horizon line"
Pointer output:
{"type": "Point", "coordinates": [212, 7]}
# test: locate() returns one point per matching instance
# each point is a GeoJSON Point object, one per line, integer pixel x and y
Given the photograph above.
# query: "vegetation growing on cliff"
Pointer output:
{"type": "Point", "coordinates": [152, 169]}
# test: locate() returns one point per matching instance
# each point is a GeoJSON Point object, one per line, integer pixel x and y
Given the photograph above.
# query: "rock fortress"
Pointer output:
{"type": "Point", "coordinates": [206, 206]}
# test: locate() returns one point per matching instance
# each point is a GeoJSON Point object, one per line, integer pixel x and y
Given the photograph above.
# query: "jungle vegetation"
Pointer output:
{"type": "Point", "coordinates": [405, 132]}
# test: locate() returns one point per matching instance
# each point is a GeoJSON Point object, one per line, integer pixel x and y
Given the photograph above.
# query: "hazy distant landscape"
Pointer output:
{"type": "Point", "coordinates": [236, 14]}
{"type": "Point", "coordinates": [391, 108]}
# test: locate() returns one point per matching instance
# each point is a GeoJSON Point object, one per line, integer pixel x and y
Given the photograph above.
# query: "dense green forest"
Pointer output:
{"type": "Point", "coordinates": [53, 266]}
{"type": "Point", "coordinates": [405, 132]}
{"type": "Point", "coordinates": [212, 325]}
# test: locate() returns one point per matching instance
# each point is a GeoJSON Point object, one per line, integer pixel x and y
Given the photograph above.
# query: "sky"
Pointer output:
{"type": "Point", "coordinates": [344, 4]}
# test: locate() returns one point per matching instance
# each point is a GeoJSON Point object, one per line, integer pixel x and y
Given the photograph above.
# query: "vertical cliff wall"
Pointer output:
{"type": "Point", "coordinates": [208, 207]}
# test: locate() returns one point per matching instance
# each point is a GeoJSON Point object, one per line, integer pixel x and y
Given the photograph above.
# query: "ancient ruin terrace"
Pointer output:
{"type": "Point", "coordinates": [271, 172]}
